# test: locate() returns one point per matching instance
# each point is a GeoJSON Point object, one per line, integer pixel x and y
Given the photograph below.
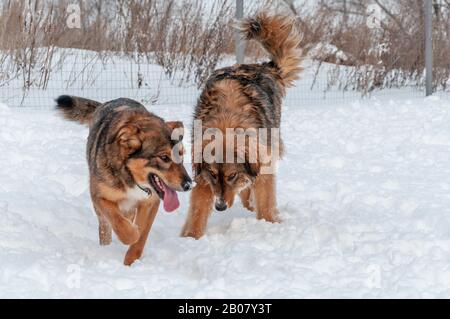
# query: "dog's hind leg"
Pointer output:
{"type": "Point", "coordinates": [265, 198]}
{"type": "Point", "coordinates": [146, 214]}
{"type": "Point", "coordinates": [200, 207]}
{"type": "Point", "coordinates": [104, 231]}
{"type": "Point", "coordinates": [104, 228]}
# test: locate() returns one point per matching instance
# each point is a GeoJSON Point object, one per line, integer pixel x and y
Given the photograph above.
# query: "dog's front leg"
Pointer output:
{"type": "Point", "coordinates": [124, 229]}
{"type": "Point", "coordinates": [265, 198]}
{"type": "Point", "coordinates": [146, 214]}
{"type": "Point", "coordinates": [247, 199]}
{"type": "Point", "coordinates": [200, 207]}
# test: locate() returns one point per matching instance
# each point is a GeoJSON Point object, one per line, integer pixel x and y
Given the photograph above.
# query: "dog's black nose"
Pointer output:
{"type": "Point", "coordinates": [187, 184]}
{"type": "Point", "coordinates": [221, 205]}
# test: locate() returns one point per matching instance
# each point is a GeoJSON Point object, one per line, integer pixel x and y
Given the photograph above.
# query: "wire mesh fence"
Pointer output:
{"type": "Point", "coordinates": [171, 66]}
{"type": "Point", "coordinates": [102, 78]}
{"type": "Point", "coordinates": [85, 74]}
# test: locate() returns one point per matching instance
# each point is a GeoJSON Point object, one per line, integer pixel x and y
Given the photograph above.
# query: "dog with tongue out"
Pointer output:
{"type": "Point", "coordinates": [135, 160]}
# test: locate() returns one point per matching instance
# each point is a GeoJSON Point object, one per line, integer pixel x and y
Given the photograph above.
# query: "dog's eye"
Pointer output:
{"type": "Point", "coordinates": [232, 176]}
{"type": "Point", "coordinates": [165, 158]}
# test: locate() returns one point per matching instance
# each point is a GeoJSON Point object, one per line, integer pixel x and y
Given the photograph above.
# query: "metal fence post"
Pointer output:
{"type": "Point", "coordinates": [429, 46]}
{"type": "Point", "coordinates": [239, 42]}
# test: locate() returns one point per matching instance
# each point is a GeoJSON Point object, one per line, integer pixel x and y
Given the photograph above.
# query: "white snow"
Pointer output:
{"type": "Point", "coordinates": [363, 191]}
{"type": "Point", "coordinates": [324, 50]}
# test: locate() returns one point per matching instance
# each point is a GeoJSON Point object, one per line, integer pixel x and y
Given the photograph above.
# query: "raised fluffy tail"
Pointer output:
{"type": "Point", "coordinates": [279, 36]}
{"type": "Point", "coordinates": [76, 108]}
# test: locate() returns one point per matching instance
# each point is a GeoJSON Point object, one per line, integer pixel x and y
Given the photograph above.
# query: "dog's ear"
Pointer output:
{"type": "Point", "coordinates": [252, 169]}
{"type": "Point", "coordinates": [196, 169]}
{"type": "Point", "coordinates": [249, 156]}
{"type": "Point", "coordinates": [174, 124]}
{"type": "Point", "coordinates": [128, 139]}
{"type": "Point", "coordinates": [177, 129]}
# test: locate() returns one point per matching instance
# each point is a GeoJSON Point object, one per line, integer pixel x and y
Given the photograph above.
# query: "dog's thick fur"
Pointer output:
{"type": "Point", "coordinates": [244, 96]}
{"type": "Point", "coordinates": [126, 148]}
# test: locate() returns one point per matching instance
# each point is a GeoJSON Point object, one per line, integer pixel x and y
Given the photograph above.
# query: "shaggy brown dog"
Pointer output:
{"type": "Point", "coordinates": [244, 96]}
{"type": "Point", "coordinates": [131, 167]}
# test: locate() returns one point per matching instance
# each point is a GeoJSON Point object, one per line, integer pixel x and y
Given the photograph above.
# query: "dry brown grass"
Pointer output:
{"type": "Point", "coordinates": [28, 37]}
{"type": "Point", "coordinates": [183, 36]}
{"type": "Point", "coordinates": [189, 39]}
{"type": "Point", "coordinates": [389, 56]}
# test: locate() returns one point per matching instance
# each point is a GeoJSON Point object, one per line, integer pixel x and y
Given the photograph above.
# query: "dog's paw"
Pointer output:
{"type": "Point", "coordinates": [131, 256]}
{"type": "Point", "coordinates": [271, 217]}
{"type": "Point", "coordinates": [276, 217]}
{"type": "Point", "coordinates": [277, 220]}
{"type": "Point", "coordinates": [249, 207]}
{"type": "Point", "coordinates": [192, 233]}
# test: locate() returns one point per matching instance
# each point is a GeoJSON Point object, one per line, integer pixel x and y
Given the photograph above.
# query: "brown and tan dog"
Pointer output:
{"type": "Point", "coordinates": [132, 166]}
{"type": "Point", "coordinates": [244, 96]}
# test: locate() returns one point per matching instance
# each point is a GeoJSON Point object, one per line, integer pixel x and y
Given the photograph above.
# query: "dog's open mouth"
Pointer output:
{"type": "Point", "coordinates": [168, 195]}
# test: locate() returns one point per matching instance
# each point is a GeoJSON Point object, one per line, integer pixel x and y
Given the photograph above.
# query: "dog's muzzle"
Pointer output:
{"type": "Point", "coordinates": [221, 205]}
{"type": "Point", "coordinates": [187, 184]}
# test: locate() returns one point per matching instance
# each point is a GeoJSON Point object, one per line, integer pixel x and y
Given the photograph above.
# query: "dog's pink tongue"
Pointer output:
{"type": "Point", "coordinates": [170, 200]}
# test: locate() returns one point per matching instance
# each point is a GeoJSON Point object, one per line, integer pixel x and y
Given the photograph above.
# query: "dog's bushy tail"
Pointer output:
{"type": "Point", "coordinates": [76, 108]}
{"type": "Point", "coordinates": [279, 36]}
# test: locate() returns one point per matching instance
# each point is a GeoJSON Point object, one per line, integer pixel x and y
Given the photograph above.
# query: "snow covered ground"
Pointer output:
{"type": "Point", "coordinates": [364, 193]}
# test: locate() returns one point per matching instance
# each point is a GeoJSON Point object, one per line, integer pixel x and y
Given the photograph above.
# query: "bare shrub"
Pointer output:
{"type": "Point", "coordinates": [391, 55]}
{"type": "Point", "coordinates": [181, 36]}
{"type": "Point", "coordinates": [28, 37]}
{"type": "Point", "coordinates": [187, 38]}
